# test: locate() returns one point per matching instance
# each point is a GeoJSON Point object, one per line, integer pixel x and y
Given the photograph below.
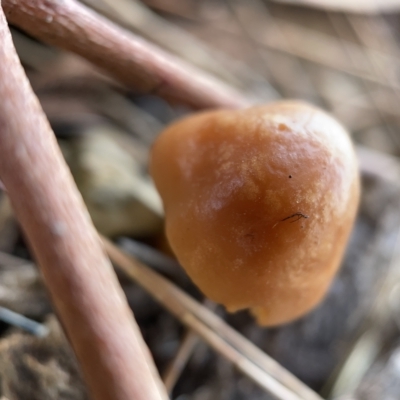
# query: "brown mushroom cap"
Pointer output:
{"type": "Point", "coordinates": [259, 204]}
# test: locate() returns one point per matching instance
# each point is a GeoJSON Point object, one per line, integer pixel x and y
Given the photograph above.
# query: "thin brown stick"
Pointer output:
{"type": "Point", "coordinates": [135, 62]}
{"type": "Point", "coordinates": [137, 17]}
{"type": "Point", "coordinates": [262, 369]}
{"type": "Point", "coordinates": [115, 361]}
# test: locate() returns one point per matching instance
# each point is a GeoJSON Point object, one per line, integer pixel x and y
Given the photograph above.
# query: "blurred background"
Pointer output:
{"type": "Point", "coordinates": [342, 55]}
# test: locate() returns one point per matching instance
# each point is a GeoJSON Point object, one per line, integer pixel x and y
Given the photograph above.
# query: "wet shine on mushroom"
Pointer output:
{"type": "Point", "coordinates": [259, 204]}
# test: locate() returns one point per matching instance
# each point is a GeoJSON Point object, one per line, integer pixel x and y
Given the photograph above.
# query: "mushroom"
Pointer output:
{"type": "Point", "coordinates": [259, 204]}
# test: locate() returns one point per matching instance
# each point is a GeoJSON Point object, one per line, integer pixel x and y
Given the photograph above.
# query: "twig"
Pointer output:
{"type": "Point", "coordinates": [354, 6]}
{"type": "Point", "coordinates": [382, 33]}
{"type": "Point", "coordinates": [302, 42]}
{"type": "Point", "coordinates": [135, 62]}
{"type": "Point", "coordinates": [366, 85]}
{"type": "Point", "coordinates": [115, 361]}
{"type": "Point", "coordinates": [19, 320]}
{"type": "Point", "coordinates": [299, 76]}
{"type": "Point", "coordinates": [305, 42]}
{"type": "Point", "coordinates": [382, 165]}
{"type": "Point", "coordinates": [263, 370]}
{"type": "Point", "coordinates": [135, 16]}
{"type": "Point", "coordinates": [371, 338]}
{"type": "Point", "coordinates": [180, 360]}
{"type": "Point", "coordinates": [186, 348]}
{"type": "Point", "coordinates": [146, 254]}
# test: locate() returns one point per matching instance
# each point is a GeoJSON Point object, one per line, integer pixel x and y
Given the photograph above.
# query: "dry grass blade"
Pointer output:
{"type": "Point", "coordinates": [263, 370]}
{"type": "Point", "coordinates": [322, 49]}
{"type": "Point", "coordinates": [382, 165]}
{"type": "Point", "coordinates": [337, 24]}
{"type": "Point", "coordinates": [371, 340]}
{"type": "Point", "coordinates": [177, 365]}
{"type": "Point", "coordinates": [186, 348]}
{"type": "Point", "coordinates": [355, 6]}
{"type": "Point", "coordinates": [244, 364]}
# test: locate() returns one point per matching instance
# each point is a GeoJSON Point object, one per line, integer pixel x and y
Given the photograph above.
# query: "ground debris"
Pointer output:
{"type": "Point", "coordinates": [33, 368]}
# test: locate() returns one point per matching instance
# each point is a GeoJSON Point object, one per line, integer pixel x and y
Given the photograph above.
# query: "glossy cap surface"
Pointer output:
{"type": "Point", "coordinates": [259, 204]}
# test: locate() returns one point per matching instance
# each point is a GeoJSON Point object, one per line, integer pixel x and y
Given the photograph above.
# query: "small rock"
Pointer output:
{"type": "Point", "coordinates": [120, 197]}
